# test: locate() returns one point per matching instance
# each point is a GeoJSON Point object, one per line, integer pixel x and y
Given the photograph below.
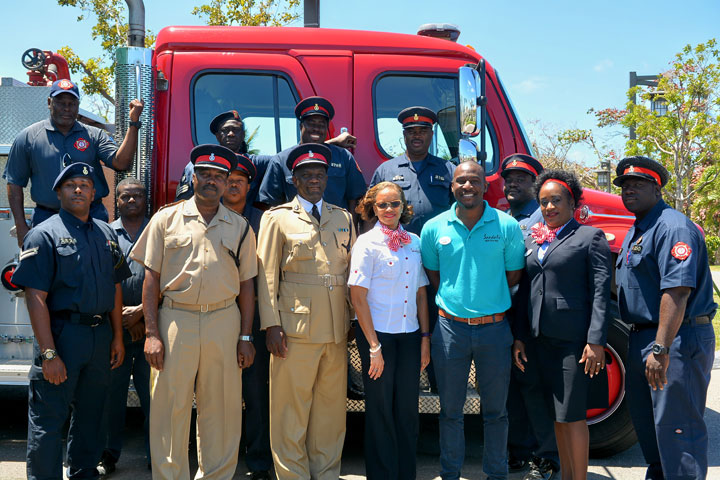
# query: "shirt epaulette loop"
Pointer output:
{"type": "Point", "coordinates": [170, 205]}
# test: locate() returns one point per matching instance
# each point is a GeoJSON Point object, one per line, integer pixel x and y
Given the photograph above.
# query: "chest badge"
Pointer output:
{"type": "Point", "coordinates": [67, 241]}
{"type": "Point", "coordinates": [681, 251]}
{"type": "Point", "coordinates": [343, 229]}
{"type": "Point", "coordinates": [444, 240]}
{"type": "Point", "coordinates": [398, 178]}
{"type": "Point", "coordinates": [637, 248]}
{"type": "Point", "coordinates": [81, 144]}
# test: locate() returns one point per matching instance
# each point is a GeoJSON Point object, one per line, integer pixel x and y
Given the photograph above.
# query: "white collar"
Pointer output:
{"type": "Point", "coordinates": [308, 206]}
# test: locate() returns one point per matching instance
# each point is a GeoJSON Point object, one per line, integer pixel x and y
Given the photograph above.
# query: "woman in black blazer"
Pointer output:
{"type": "Point", "coordinates": [568, 290]}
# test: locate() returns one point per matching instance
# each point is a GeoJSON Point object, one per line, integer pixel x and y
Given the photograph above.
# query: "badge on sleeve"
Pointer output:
{"type": "Point", "coordinates": [681, 251]}
{"type": "Point", "coordinates": [81, 144]}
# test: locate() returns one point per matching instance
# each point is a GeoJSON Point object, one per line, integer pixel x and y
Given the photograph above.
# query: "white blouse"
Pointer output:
{"type": "Point", "coordinates": [391, 278]}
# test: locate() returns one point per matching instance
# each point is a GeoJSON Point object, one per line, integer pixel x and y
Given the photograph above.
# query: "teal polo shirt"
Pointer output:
{"type": "Point", "coordinates": [472, 263]}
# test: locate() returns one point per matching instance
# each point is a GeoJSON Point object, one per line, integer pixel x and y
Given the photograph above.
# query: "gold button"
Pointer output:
{"type": "Point", "coordinates": [292, 309]}
{"type": "Point", "coordinates": [324, 244]}
{"type": "Point", "coordinates": [205, 267]}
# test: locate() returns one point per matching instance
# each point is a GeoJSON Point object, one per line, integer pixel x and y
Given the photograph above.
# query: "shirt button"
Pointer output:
{"type": "Point", "coordinates": [330, 287]}
{"type": "Point", "coordinates": [405, 301]}
{"type": "Point", "coordinates": [407, 273]}
{"type": "Point", "coordinates": [404, 316]}
{"type": "Point", "coordinates": [540, 292]}
{"type": "Point", "coordinates": [292, 309]}
{"type": "Point", "coordinates": [328, 262]}
{"type": "Point", "coordinates": [324, 244]}
{"type": "Point", "coordinates": [406, 258]}
{"type": "Point", "coordinates": [207, 250]}
{"type": "Point", "coordinates": [406, 286]}
{"type": "Point", "coordinates": [205, 267]}
{"type": "Point", "coordinates": [322, 229]}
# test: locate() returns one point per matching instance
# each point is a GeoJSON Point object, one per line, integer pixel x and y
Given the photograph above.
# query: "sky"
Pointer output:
{"type": "Point", "coordinates": [557, 58]}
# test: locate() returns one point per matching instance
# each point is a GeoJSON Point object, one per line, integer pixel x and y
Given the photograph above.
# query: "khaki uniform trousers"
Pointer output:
{"type": "Point", "coordinates": [307, 410]}
{"type": "Point", "coordinates": [200, 357]}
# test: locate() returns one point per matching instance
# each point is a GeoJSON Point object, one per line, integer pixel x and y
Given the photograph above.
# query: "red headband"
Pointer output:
{"type": "Point", "coordinates": [316, 108]}
{"type": "Point", "coordinates": [647, 171]}
{"type": "Point", "coordinates": [212, 158]}
{"type": "Point", "coordinates": [417, 118]}
{"type": "Point", "coordinates": [527, 166]}
{"type": "Point", "coordinates": [561, 183]}
{"type": "Point", "coordinates": [311, 155]}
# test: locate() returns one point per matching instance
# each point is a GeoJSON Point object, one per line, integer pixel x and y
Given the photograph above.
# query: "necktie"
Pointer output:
{"type": "Point", "coordinates": [315, 213]}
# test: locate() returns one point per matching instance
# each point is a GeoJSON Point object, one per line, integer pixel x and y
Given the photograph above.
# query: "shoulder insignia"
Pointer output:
{"type": "Point", "coordinates": [183, 188]}
{"type": "Point", "coordinates": [29, 253]}
{"type": "Point", "coordinates": [284, 206]}
{"type": "Point", "coordinates": [67, 241]}
{"type": "Point", "coordinates": [170, 205]}
{"type": "Point", "coordinates": [681, 251]}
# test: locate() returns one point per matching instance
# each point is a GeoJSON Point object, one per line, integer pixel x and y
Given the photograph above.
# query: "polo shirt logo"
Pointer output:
{"type": "Point", "coordinates": [81, 144]}
{"type": "Point", "coordinates": [491, 238]}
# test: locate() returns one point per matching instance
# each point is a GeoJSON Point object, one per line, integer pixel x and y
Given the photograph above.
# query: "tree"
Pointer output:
{"type": "Point", "coordinates": [249, 12]}
{"type": "Point", "coordinates": [686, 138]}
{"type": "Point", "coordinates": [111, 29]}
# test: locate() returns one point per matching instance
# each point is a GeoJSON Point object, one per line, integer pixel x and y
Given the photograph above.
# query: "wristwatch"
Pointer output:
{"type": "Point", "coordinates": [137, 124]}
{"type": "Point", "coordinates": [659, 349]}
{"type": "Point", "coordinates": [246, 338]}
{"type": "Point", "coordinates": [49, 354]}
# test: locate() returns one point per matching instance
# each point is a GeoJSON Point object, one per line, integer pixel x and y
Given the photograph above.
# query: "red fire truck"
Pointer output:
{"type": "Point", "coordinates": [193, 73]}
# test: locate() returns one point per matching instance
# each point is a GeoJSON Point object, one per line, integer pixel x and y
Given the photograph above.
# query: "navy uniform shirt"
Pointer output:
{"type": "Point", "coordinates": [131, 286]}
{"type": "Point", "coordinates": [77, 263]}
{"type": "Point", "coordinates": [528, 216]}
{"type": "Point", "coordinates": [345, 181]}
{"type": "Point", "coordinates": [648, 264]}
{"type": "Point", "coordinates": [40, 152]}
{"type": "Point", "coordinates": [185, 187]}
{"type": "Point", "coordinates": [426, 188]}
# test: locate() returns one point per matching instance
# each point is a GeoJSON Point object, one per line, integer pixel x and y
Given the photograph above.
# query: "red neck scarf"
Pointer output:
{"type": "Point", "coordinates": [395, 238]}
{"type": "Point", "coordinates": [541, 233]}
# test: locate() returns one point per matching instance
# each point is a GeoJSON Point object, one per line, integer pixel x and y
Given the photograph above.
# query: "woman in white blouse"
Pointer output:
{"type": "Point", "coordinates": [387, 289]}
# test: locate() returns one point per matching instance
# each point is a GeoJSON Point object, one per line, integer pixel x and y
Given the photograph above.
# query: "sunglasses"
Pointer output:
{"type": "Point", "coordinates": [384, 205]}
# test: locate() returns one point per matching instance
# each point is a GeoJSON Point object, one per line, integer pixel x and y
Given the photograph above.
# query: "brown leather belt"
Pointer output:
{"type": "Point", "coordinates": [494, 318]}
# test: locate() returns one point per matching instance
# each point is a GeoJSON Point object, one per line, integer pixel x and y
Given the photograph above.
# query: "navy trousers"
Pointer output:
{"type": "Point", "coordinates": [86, 353]}
{"type": "Point", "coordinates": [116, 401]}
{"type": "Point", "coordinates": [391, 406]}
{"type": "Point", "coordinates": [669, 422]}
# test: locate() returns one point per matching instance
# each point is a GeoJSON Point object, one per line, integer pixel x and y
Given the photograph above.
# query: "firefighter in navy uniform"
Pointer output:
{"type": "Point", "coordinates": [71, 268]}
{"type": "Point", "coordinates": [665, 295]}
{"type": "Point", "coordinates": [424, 178]}
{"type": "Point", "coordinates": [345, 181]}
{"type": "Point", "coordinates": [531, 434]}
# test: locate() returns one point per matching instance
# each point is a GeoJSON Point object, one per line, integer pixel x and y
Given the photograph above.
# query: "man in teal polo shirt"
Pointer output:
{"type": "Point", "coordinates": [473, 254]}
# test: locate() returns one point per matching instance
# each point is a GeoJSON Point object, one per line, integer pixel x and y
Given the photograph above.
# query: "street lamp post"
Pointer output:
{"type": "Point", "coordinates": [603, 175]}
{"type": "Point", "coordinates": [643, 80]}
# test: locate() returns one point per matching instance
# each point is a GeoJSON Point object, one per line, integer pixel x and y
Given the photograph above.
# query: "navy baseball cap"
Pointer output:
{"type": "Point", "coordinates": [74, 170]}
{"type": "Point", "coordinates": [64, 86]}
{"type": "Point", "coordinates": [213, 156]}
{"type": "Point", "coordinates": [308, 154]}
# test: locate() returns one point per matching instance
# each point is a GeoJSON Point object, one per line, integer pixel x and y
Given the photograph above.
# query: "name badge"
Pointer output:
{"type": "Point", "coordinates": [444, 240]}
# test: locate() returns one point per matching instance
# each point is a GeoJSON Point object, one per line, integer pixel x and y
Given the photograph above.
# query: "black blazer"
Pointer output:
{"type": "Point", "coordinates": [568, 293]}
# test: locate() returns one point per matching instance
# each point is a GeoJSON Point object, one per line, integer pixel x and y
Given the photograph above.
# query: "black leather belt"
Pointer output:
{"type": "Point", "coordinates": [702, 320]}
{"type": "Point", "coordinates": [81, 318]}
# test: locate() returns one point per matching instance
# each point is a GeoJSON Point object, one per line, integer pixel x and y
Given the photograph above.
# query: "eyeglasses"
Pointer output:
{"type": "Point", "coordinates": [384, 205]}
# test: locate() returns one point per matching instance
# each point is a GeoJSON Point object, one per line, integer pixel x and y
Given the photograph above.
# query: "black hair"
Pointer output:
{"type": "Point", "coordinates": [129, 181]}
{"type": "Point", "coordinates": [564, 176]}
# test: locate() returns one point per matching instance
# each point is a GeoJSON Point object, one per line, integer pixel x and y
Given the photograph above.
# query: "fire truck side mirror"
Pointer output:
{"type": "Point", "coordinates": [468, 151]}
{"type": "Point", "coordinates": [467, 82]}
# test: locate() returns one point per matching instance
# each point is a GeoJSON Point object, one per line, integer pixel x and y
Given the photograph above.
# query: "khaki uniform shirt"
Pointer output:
{"type": "Point", "coordinates": [192, 257]}
{"type": "Point", "coordinates": [303, 269]}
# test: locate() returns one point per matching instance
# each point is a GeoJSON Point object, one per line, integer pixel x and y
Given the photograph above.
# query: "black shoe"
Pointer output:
{"type": "Point", "coordinates": [260, 475]}
{"type": "Point", "coordinates": [654, 472]}
{"type": "Point", "coordinates": [106, 465]}
{"type": "Point", "coordinates": [542, 469]}
{"type": "Point", "coordinates": [516, 464]}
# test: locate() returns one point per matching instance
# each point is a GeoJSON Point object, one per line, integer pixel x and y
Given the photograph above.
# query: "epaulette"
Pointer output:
{"type": "Point", "coordinates": [284, 206]}
{"type": "Point", "coordinates": [171, 205]}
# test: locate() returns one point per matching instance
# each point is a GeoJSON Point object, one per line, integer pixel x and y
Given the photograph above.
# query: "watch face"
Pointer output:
{"type": "Point", "coordinates": [659, 349]}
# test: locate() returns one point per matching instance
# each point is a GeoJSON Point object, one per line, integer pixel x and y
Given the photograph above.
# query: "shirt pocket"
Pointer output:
{"type": "Point", "coordinates": [70, 264]}
{"type": "Point", "coordinates": [569, 303]}
{"type": "Point", "coordinates": [177, 256]}
{"type": "Point", "coordinates": [438, 191]}
{"type": "Point", "coordinates": [300, 249]}
{"type": "Point", "coordinates": [387, 267]}
{"type": "Point", "coordinates": [295, 315]}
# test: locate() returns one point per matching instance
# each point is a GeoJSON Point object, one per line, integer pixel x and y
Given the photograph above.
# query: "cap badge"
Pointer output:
{"type": "Point", "coordinates": [85, 171]}
{"type": "Point", "coordinates": [311, 154]}
{"type": "Point", "coordinates": [65, 84]}
{"type": "Point", "coordinates": [212, 157]}
{"type": "Point", "coordinates": [317, 107]}
{"type": "Point", "coordinates": [235, 114]}
{"type": "Point", "coordinates": [631, 169]}
{"type": "Point", "coordinates": [415, 117]}
{"type": "Point", "coordinates": [514, 163]}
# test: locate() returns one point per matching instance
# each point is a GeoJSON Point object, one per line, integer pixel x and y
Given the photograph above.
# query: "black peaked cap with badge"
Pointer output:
{"type": "Point", "coordinates": [308, 154]}
{"type": "Point", "coordinates": [643, 168]}
{"type": "Point", "coordinates": [417, 117]}
{"type": "Point", "coordinates": [78, 169]}
{"type": "Point", "coordinates": [314, 106]}
{"type": "Point", "coordinates": [218, 121]}
{"type": "Point", "coordinates": [213, 156]}
{"type": "Point", "coordinates": [246, 166]}
{"type": "Point", "coordinates": [523, 163]}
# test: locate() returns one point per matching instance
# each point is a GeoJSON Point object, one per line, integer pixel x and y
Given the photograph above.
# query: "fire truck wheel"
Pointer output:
{"type": "Point", "coordinates": [611, 429]}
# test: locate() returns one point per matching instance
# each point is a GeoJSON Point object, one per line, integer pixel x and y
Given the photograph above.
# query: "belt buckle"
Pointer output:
{"type": "Point", "coordinates": [205, 308]}
{"type": "Point", "coordinates": [96, 320]}
{"type": "Point", "coordinates": [326, 280]}
{"type": "Point", "coordinates": [473, 321]}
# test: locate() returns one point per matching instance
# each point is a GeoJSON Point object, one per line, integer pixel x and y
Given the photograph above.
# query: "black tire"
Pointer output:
{"type": "Point", "coordinates": [614, 433]}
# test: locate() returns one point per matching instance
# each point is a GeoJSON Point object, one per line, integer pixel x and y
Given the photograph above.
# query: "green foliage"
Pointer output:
{"type": "Point", "coordinates": [713, 246]}
{"type": "Point", "coordinates": [111, 30]}
{"type": "Point", "coordinates": [248, 12]}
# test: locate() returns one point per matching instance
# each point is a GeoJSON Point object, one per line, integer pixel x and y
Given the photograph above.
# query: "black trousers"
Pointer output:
{"type": "Point", "coordinates": [391, 406]}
